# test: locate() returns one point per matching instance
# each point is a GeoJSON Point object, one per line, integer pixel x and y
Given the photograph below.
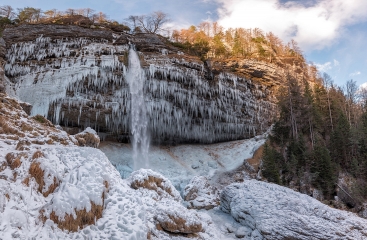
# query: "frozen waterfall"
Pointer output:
{"type": "Point", "coordinates": [81, 82]}
{"type": "Point", "coordinates": [135, 77]}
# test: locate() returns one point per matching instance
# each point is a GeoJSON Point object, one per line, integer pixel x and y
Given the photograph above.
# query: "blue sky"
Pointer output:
{"type": "Point", "coordinates": [331, 33]}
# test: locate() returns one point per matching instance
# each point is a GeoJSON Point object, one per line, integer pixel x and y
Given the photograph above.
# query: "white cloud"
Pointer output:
{"type": "Point", "coordinates": [355, 74]}
{"type": "Point", "coordinates": [311, 25]}
{"type": "Point", "coordinates": [328, 65]}
{"type": "Point", "coordinates": [336, 63]}
{"type": "Point", "coordinates": [324, 67]}
{"type": "Point", "coordinates": [363, 86]}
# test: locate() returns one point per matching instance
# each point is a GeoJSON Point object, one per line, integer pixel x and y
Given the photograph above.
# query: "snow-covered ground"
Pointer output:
{"type": "Point", "coordinates": [47, 183]}
{"type": "Point", "coordinates": [181, 163]}
{"type": "Point", "coordinates": [52, 188]}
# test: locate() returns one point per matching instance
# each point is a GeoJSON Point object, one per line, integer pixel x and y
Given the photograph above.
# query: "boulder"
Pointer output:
{"type": "Point", "coordinates": [88, 138]}
{"type": "Point", "coordinates": [178, 219]}
{"type": "Point", "coordinates": [200, 194]}
{"type": "Point", "coordinates": [275, 212]}
{"type": "Point", "coordinates": [154, 184]}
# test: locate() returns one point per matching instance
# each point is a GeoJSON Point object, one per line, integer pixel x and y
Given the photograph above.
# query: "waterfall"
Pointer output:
{"type": "Point", "coordinates": [135, 77]}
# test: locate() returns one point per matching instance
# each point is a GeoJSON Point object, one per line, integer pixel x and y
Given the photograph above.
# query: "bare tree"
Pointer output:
{"type": "Point", "coordinates": [158, 19]}
{"type": "Point", "coordinates": [152, 23]}
{"type": "Point", "coordinates": [29, 14]}
{"type": "Point", "coordinates": [52, 13]}
{"type": "Point", "coordinates": [101, 17]}
{"type": "Point", "coordinates": [70, 11]}
{"type": "Point", "coordinates": [328, 83]}
{"type": "Point", "coordinates": [217, 29]}
{"type": "Point", "coordinates": [133, 20]}
{"type": "Point", "coordinates": [351, 90]}
{"type": "Point", "coordinates": [89, 12]}
{"type": "Point", "coordinates": [80, 11]}
{"type": "Point", "coordinates": [205, 27]}
{"type": "Point", "coordinates": [7, 11]}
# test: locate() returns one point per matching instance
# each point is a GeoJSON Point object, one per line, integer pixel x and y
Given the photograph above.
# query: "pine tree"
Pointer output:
{"type": "Point", "coordinates": [340, 142]}
{"type": "Point", "coordinates": [270, 168]}
{"type": "Point", "coordinates": [323, 170]}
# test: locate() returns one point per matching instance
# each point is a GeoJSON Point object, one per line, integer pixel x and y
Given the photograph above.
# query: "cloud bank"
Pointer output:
{"type": "Point", "coordinates": [356, 73]}
{"type": "Point", "coordinates": [327, 66]}
{"type": "Point", "coordinates": [313, 24]}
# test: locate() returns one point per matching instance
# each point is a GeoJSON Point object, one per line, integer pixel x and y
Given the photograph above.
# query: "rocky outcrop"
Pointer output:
{"type": "Point", "coordinates": [154, 182]}
{"type": "Point", "coordinates": [267, 74]}
{"type": "Point", "coordinates": [199, 194]}
{"type": "Point", "coordinates": [165, 209]}
{"type": "Point", "coordinates": [277, 212]}
{"type": "Point", "coordinates": [87, 138]}
{"type": "Point", "coordinates": [30, 32]}
{"type": "Point", "coordinates": [178, 219]}
{"type": "Point", "coordinates": [76, 77]}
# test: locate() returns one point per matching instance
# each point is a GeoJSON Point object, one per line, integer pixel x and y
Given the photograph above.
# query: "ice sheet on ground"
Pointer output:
{"type": "Point", "coordinates": [181, 163]}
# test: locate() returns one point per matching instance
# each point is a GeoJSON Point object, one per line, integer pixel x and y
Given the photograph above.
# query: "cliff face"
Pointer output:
{"type": "Point", "coordinates": [76, 77]}
{"type": "Point", "coordinates": [2, 55]}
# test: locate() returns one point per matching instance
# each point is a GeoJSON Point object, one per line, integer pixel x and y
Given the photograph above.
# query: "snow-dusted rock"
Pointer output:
{"type": "Point", "coordinates": [200, 194]}
{"type": "Point", "coordinates": [88, 138]}
{"type": "Point", "coordinates": [243, 232]}
{"type": "Point", "coordinates": [177, 219]}
{"type": "Point", "coordinates": [276, 212]}
{"type": "Point", "coordinates": [153, 184]}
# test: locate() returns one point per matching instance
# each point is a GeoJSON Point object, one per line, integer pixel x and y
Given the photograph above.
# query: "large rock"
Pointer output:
{"type": "Point", "coordinates": [155, 183]}
{"type": "Point", "coordinates": [200, 194]}
{"type": "Point", "coordinates": [177, 219]}
{"type": "Point", "coordinates": [277, 212]}
{"type": "Point", "coordinates": [88, 138]}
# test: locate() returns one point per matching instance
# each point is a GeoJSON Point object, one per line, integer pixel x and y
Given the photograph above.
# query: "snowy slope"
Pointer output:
{"type": "Point", "coordinates": [82, 178]}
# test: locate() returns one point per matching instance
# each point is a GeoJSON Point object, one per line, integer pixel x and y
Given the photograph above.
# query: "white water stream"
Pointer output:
{"type": "Point", "coordinates": [139, 120]}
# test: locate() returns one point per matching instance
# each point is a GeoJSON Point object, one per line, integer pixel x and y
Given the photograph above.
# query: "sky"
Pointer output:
{"type": "Point", "coordinates": [331, 33]}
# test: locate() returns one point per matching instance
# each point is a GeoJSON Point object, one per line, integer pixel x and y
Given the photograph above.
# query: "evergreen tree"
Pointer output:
{"type": "Point", "coordinates": [270, 168]}
{"type": "Point", "coordinates": [323, 170]}
{"type": "Point", "coordinates": [340, 142]}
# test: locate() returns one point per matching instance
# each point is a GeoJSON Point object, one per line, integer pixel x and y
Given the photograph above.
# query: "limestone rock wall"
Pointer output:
{"type": "Point", "coordinates": [76, 77]}
{"type": "Point", "coordinates": [2, 55]}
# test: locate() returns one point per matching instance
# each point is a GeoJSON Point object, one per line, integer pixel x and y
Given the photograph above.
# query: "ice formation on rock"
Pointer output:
{"type": "Point", "coordinates": [83, 82]}
{"type": "Point", "coordinates": [275, 212]}
{"type": "Point", "coordinates": [135, 77]}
